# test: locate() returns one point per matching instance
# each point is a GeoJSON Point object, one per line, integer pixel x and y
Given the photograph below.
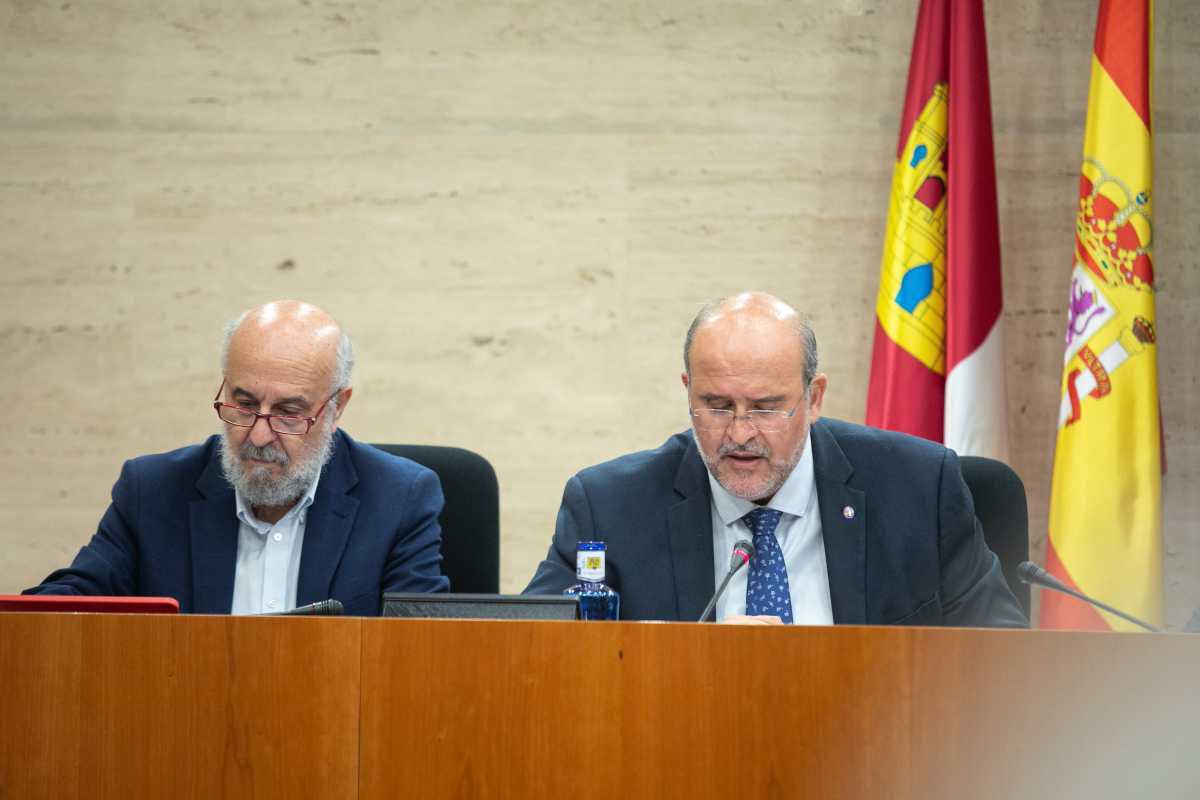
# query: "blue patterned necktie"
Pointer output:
{"type": "Point", "coordinates": [767, 588]}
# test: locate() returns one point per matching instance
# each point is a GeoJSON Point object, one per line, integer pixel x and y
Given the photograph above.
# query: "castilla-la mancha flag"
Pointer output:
{"type": "Point", "coordinates": [937, 367]}
{"type": "Point", "coordinates": [1105, 498]}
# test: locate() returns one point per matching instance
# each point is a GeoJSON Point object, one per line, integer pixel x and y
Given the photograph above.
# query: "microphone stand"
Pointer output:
{"type": "Point", "coordinates": [1031, 573]}
{"type": "Point", "coordinates": [743, 551]}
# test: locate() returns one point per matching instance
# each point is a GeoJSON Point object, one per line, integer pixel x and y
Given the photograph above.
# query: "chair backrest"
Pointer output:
{"type": "Point", "coordinates": [1002, 510]}
{"type": "Point", "coordinates": [470, 520]}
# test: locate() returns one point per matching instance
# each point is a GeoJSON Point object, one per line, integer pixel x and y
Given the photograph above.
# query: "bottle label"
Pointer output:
{"type": "Point", "coordinates": [589, 565]}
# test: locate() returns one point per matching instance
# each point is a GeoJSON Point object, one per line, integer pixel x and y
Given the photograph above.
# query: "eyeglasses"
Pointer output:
{"type": "Point", "coordinates": [763, 420]}
{"type": "Point", "coordinates": [287, 424]}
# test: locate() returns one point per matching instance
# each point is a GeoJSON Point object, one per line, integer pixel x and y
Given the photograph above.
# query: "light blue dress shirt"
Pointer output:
{"type": "Point", "coordinates": [800, 539]}
{"type": "Point", "coordinates": [268, 557]}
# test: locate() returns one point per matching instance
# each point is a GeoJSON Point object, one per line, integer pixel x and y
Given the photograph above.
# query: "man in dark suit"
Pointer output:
{"type": "Point", "coordinates": [281, 509]}
{"type": "Point", "coordinates": [851, 525]}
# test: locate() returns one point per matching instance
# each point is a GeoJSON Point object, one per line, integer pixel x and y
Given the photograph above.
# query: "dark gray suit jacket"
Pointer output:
{"type": "Point", "coordinates": [913, 552]}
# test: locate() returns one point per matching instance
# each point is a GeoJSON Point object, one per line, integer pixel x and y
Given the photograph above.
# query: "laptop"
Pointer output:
{"type": "Point", "coordinates": [479, 606]}
{"type": "Point", "coordinates": [88, 604]}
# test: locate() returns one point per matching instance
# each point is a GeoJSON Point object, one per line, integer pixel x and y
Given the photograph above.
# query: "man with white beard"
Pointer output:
{"type": "Point", "coordinates": [279, 510]}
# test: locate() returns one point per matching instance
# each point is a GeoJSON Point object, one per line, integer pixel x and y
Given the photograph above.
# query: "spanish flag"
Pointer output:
{"type": "Point", "coordinates": [1105, 499]}
{"type": "Point", "coordinates": [937, 366]}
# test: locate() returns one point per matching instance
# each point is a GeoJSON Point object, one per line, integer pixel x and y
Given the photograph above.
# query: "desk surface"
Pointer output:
{"type": "Point", "coordinates": [145, 706]}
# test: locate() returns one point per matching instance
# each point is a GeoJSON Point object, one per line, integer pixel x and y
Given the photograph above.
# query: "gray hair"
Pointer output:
{"type": "Point", "coordinates": [803, 330]}
{"type": "Point", "coordinates": [343, 368]}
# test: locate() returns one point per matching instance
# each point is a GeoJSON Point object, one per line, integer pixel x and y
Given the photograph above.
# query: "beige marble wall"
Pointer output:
{"type": "Point", "coordinates": [515, 207]}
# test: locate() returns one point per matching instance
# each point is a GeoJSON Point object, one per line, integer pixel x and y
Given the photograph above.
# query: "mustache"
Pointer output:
{"type": "Point", "coordinates": [270, 453]}
{"type": "Point", "coordinates": [747, 449]}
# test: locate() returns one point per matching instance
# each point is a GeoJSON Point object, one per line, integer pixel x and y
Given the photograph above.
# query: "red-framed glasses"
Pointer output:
{"type": "Point", "coordinates": [287, 424]}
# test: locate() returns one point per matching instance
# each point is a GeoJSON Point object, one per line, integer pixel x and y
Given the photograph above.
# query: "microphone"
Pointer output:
{"type": "Point", "coordinates": [743, 551]}
{"type": "Point", "coordinates": [1031, 573]}
{"type": "Point", "coordinates": [325, 608]}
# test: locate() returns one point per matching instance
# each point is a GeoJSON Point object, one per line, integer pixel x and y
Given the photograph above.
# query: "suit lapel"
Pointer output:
{"type": "Point", "coordinates": [844, 532]}
{"type": "Point", "coordinates": [330, 519]}
{"type": "Point", "coordinates": [689, 526]}
{"type": "Point", "coordinates": [214, 537]}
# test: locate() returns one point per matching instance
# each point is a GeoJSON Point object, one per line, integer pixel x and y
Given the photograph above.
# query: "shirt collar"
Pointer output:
{"type": "Point", "coordinates": [792, 498]}
{"type": "Point", "coordinates": [246, 514]}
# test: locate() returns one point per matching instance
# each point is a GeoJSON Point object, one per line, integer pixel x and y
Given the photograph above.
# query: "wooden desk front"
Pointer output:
{"type": "Point", "coordinates": [181, 707]}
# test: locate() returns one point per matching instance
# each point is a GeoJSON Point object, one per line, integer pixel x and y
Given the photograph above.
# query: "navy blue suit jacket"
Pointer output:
{"type": "Point", "coordinates": [172, 531]}
{"type": "Point", "coordinates": [912, 553]}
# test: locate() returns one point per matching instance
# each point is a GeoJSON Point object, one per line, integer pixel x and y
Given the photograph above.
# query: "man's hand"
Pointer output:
{"type": "Point", "coordinates": [758, 619]}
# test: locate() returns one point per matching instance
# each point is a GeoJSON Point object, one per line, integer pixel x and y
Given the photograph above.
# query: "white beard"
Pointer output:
{"type": "Point", "coordinates": [256, 484]}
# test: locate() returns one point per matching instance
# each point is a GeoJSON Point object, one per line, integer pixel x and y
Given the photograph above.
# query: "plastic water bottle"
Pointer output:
{"type": "Point", "coordinates": [596, 599]}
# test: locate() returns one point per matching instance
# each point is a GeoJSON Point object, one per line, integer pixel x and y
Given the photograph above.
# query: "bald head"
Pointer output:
{"type": "Point", "coordinates": [753, 391]}
{"type": "Point", "coordinates": [754, 321]}
{"type": "Point", "coordinates": [292, 335]}
{"type": "Point", "coordinates": [286, 368]}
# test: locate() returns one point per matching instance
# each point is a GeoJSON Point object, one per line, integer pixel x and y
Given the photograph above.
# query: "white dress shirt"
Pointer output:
{"type": "Point", "coordinates": [268, 557]}
{"type": "Point", "coordinates": [800, 539]}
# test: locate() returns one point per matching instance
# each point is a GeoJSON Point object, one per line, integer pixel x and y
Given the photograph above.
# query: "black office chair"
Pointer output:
{"type": "Point", "coordinates": [471, 518]}
{"type": "Point", "coordinates": [1000, 505]}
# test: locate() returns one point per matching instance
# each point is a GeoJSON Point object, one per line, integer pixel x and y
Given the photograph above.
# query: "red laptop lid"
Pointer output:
{"type": "Point", "coordinates": [72, 602]}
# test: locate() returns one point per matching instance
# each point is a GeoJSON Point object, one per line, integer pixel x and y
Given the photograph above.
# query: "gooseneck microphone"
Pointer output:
{"type": "Point", "coordinates": [325, 608]}
{"type": "Point", "coordinates": [1032, 574]}
{"type": "Point", "coordinates": [743, 551]}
